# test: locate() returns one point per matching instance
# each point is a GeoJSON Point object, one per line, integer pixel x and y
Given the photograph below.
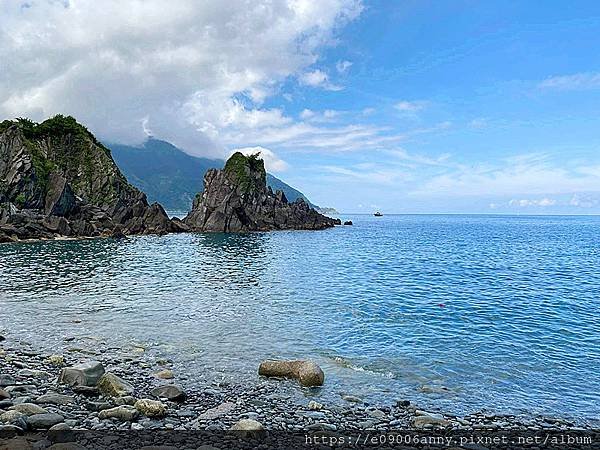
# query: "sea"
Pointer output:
{"type": "Point", "coordinates": [457, 313]}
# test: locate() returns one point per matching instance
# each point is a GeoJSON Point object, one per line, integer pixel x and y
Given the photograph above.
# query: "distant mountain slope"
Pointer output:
{"type": "Point", "coordinates": [172, 177]}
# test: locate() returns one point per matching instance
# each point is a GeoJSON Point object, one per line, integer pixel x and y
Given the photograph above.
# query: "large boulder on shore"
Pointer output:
{"type": "Point", "coordinates": [237, 199]}
{"type": "Point", "coordinates": [113, 386]}
{"type": "Point", "coordinates": [124, 413]}
{"type": "Point", "coordinates": [150, 408]}
{"type": "Point", "coordinates": [308, 373]}
{"type": "Point", "coordinates": [84, 374]}
{"type": "Point", "coordinates": [248, 428]}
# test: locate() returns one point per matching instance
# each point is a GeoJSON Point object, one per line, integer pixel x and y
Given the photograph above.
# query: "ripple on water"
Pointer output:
{"type": "Point", "coordinates": [459, 312]}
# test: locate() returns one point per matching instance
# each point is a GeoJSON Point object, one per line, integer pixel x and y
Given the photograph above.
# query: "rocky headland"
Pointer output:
{"type": "Point", "coordinates": [237, 199]}
{"type": "Point", "coordinates": [58, 180]}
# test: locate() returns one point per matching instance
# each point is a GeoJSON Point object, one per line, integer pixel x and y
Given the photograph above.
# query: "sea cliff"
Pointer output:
{"type": "Point", "coordinates": [237, 199]}
{"type": "Point", "coordinates": [58, 180]}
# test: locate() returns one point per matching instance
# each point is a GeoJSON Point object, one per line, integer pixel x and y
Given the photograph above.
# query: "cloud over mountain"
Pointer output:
{"type": "Point", "coordinates": [185, 72]}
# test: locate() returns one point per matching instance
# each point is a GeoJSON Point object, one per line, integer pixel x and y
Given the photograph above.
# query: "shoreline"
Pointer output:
{"type": "Point", "coordinates": [31, 377]}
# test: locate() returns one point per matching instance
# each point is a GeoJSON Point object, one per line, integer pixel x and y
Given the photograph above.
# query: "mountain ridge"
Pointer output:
{"type": "Point", "coordinates": [173, 177]}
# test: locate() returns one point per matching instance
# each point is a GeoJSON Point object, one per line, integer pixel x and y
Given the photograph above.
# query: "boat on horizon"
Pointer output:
{"type": "Point", "coordinates": [378, 214]}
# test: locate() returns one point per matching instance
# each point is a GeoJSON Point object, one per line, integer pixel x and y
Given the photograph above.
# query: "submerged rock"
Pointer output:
{"type": "Point", "coordinates": [308, 373]}
{"type": "Point", "coordinates": [85, 374]}
{"type": "Point", "coordinates": [237, 199]}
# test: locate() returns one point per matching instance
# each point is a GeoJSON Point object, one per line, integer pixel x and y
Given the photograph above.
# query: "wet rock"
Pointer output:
{"type": "Point", "coordinates": [165, 374]}
{"type": "Point", "coordinates": [403, 403]}
{"type": "Point", "coordinates": [306, 372]}
{"type": "Point", "coordinates": [348, 222]}
{"type": "Point", "coordinates": [351, 399]}
{"type": "Point", "coordinates": [221, 410]}
{"type": "Point", "coordinates": [315, 406]}
{"type": "Point", "coordinates": [56, 360]}
{"type": "Point", "coordinates": [28, 409]}
{"type": "Point", "coordinates": [11, 416]}
{"type": "Point", "coordinates": [85, 374]}
{"type": "Point", "coordinates": [30, 373]}
{"type": "Point", "coordinates": [127, 400]}
{"type": "Point", "coordinates": [16, 443]}
{"type": "Point", "coordinates": [435, 420]}
{"type": "Point", "coordinates": [44, 421]}
{"type": "Point", "coordinates": [55, 399]}
{"type": "Point", "coordinates": [66, 446]}
{"type": "Point", "coordinates": [87, 391]}
{"type": "Point", "coordinates": [124, 413]}
{"type": "Point", "coordinates": [248, 428]}
{"type": "Point", "coordinates": [150, 408]}
{"type": "Point", "coordinates": [170, 392]}
{"type": "Point", "coordinates": [6, 380]}
{"type": "Point", "coordinates": [113, 386]}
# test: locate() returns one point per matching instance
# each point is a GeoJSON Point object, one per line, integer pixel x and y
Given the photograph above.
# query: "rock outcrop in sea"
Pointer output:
{"type": "Point", "coordinates": [57, 179]}
{"type": "Point", "coordinates": [237, 199]}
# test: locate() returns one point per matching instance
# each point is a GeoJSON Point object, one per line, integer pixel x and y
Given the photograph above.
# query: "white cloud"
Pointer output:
{"type": "Point", "coordinates": [480, 122]}
{"type": "Point", "coordinates": [580, 201]}
{"type": "Point", "coordinates": [526, 202]}
{"type": "Point", "coordinates": [343, 66]}
{"type": "Point", "coordinates": [368, 111]}
{"type": "Point", "coordinates": [190, 72]}
{"type": "Point", "coordinates": [327, 115]}
{"type": "Point", "coordinates": [318, 78]}
{"type": "Point", "coordinates": [410, 106]}
{"type": "Point", "coordinates": [578, 81]}
{"type": "Point", "coordinates": [531, 175]}
{"type": "Point", "coordinates": [272, 162]}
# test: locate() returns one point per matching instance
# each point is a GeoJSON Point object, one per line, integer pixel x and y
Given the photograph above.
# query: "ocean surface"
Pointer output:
{"type": "Point", "coordinates": [456, 313]}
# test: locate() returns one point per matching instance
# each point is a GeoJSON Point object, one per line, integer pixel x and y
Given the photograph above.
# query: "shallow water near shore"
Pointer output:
{"type": "Point", "coordinates": [457, 313]}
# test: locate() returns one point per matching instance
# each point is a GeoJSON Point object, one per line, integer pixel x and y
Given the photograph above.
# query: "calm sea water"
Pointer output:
{"type": "Point", "coordinates": [454, 312]}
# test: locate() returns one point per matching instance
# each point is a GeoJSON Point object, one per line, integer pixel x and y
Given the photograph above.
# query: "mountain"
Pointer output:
{"type": "Point", "coordinates": [171, 177]}
{"type": "Point", "coordinates": [57, 179]}
{"type": "Point", "coordinates": [237, 199]}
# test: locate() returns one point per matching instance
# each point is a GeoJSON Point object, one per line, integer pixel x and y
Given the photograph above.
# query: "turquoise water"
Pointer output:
{"type": "Point", "coordinates": [454, 312]}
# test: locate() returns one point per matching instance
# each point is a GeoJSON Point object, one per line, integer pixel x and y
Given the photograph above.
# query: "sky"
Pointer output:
{"type": "Point", "coordinates": [459, 106]}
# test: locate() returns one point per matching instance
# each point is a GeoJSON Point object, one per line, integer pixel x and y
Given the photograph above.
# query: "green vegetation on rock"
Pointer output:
{"type": "Point", "coordinates": [249, 171]}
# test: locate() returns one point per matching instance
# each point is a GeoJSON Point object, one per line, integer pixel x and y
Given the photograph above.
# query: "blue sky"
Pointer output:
{"type": "Point", "coordinates": [496, 105]}
{"type": "Point", "coordinates": [399, 106]}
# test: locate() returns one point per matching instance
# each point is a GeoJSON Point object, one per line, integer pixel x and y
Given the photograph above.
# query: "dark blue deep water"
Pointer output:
{"type": "Point", "coordinates": [460, 313]}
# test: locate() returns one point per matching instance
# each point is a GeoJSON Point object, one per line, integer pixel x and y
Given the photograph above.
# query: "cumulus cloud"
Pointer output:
{"type": "Point", "coordinates": [272, 162]}
{"type": "Point", "coordinates": [320, 79]}
{"type": "Point", "coordinates": [190, 72]}
{"type": "Point", "coordinates": [578, 81]}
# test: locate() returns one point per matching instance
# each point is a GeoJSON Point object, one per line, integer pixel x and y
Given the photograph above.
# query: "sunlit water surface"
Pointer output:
{"type": "Point", "coordinates": [454, 312]}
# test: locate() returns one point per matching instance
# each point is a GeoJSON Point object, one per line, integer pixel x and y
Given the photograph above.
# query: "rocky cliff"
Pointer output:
{"type": "Point", "coordinates": [237, 199]}
{"type": "Point", "coordinates": [56, 179]}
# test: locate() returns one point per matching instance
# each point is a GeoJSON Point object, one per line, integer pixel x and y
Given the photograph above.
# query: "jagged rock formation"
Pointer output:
{"type": "Point", "coordinates": [56, 179]}
{"type": "Point", "coordinates": [237, 199]}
